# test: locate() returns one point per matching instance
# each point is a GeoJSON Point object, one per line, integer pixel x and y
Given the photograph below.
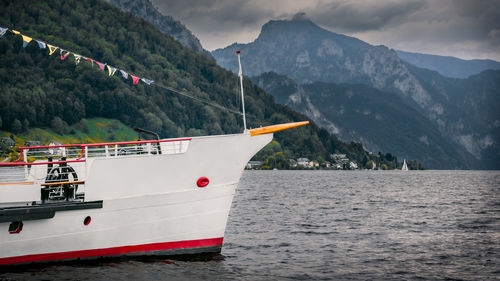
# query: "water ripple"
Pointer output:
{"type": "Point", "coordinates": [335, 225]}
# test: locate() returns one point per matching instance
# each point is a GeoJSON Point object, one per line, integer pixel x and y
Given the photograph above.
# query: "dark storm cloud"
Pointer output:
{"type": "Point", "coordinates": [355, 16]}
{"type": "Point", "coordinates": [482, 18]}
{"type": "Point", "coordinates": [463, 28]}
{"type": "Point", "coordinates": [210, 14]}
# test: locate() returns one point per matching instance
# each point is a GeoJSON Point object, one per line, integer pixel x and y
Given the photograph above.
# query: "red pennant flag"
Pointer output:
{"type": "Point", "coordinates": [101, 66]}
{"type": "Point", "coordinates": [135, 79]}
{"type": "Point", "coordinates": [63, 56]}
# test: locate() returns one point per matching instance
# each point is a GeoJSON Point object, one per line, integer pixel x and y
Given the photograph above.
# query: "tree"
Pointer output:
{"type": "Point", "coordinates": [17, 127]}
{"type": "Point", "coordinates": [320, 159]}
{"type": "Point", "coordinates": [58, 125]}
{"type": "Point", "coordinates": [26, 124]}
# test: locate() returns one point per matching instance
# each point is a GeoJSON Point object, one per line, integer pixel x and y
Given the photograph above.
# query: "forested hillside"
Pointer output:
{"type": "Point", "coordinates": [38, 90]}
{"type": "Point", "coordinates": [378, 119]}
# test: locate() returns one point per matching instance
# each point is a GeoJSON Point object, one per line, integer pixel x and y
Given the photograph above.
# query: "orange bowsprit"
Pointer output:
{"type": "Point", "coordinates": [276, 128]}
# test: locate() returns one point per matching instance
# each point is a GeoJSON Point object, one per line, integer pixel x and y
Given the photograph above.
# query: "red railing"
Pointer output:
{"type": "Point", "coordinates": [18, 162]}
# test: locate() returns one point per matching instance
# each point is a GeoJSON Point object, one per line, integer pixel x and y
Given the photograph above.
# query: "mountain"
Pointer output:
{"type": "Point", "coordinates": [144, 9]}
{"type": "Point", "coordinates": [449, 66]}
{"type": "Point", "coordinates": [471, 117]}
{"type": "Point", "coordinates": [377, 119]}
{"type": "Point", "coordinates": [48, 91]}
{"type": "Point", "coordinates": [307, 53]}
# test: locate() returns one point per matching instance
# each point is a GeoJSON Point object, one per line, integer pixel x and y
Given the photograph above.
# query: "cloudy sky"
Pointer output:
{"type": "Point", "coordinates": [468, 29]}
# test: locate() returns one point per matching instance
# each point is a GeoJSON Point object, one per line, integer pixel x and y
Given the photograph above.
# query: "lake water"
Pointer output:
{"type": "Point", "coordinates": [347, 225]}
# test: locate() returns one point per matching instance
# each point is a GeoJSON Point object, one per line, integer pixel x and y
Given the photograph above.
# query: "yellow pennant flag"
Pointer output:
{"type": "Point", "coordinates": [77, 58]}
{"type": "Point", "coordinates": [15, 32]}
{"type": "Point", "coordinates": [111, 70]}
{"type": "Point", "coordinates": [52, 49]}
{"type": "Point", "coordinates": [26, 40]}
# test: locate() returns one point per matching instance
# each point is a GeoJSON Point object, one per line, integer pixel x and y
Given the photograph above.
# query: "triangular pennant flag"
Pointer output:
{"type": "Point", "coordinates": [41, 44]}
{"type": "Point", "coordinates": [147, 81]}
{"type": "Point", "coordinates": [101, 66]}
{"type": "Point", "coordinates": [52, 49]}
{"type": "Point", "coordinates": [135, 79]}
{"type": "Point", "coordinates": [111, 70]}
{"type": "Point", "coordinates": [63, 56]}
{"type": "Point", "coordinates": [2, 31]}
{"type": "Point", "coordinates": [77, 58]}
{"type": "Point", "coordinates": [26, 40]}
{"type": "Point", "coordinates": [124, 74]}
{"type": "Point", "coordinates": [16, 32]}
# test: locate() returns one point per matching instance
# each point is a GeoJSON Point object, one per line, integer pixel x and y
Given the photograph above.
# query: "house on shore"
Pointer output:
{"type": "Point", "coordinates": [304, 162]}
{"type": "Point", "coordinates": [9, 142]}
{"type": "Point", "coordinates": [254, 165]}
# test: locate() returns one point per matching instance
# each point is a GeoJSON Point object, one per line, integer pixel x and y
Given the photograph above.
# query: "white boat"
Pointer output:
{"type": "Point", "coordinates": [155, 197]}
{"type": "Point", "coordinates": [405, 166]}
{"type": "Point", "coordinates": [170, 196]}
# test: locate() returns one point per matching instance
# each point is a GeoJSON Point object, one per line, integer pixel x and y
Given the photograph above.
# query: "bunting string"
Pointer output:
{"type": "Point", "coordinates": [65, 53]}
{"type": "Point", "coordinates": [110, 69]}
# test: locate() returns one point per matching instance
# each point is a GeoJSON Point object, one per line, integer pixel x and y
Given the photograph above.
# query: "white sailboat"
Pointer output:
{"type": "Point", "coordinates": [405, 166]}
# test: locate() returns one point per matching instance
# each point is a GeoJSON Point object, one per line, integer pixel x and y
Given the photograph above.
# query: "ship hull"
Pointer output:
{"type": "Point", "coordinates": [151, 205]}
{"type": "Point", "coordinates": [166, 224]}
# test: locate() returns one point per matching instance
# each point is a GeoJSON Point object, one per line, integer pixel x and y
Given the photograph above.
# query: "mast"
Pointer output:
{"type": "Point", "coordinates": [240, 74]}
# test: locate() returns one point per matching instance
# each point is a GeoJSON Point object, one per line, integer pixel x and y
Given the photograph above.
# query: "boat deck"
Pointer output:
{"type": "Point", "coordinates": [60, 171]}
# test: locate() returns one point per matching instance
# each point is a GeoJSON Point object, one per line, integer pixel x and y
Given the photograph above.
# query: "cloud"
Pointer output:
{"type": "Point", "coordinates": [463, 28]}
{"type": "Point", "coordinates": [355, 16]}
{"type": "Point", "coordinates": [218, 23]}
{"type": "Point", "coordinates": [223, 14]}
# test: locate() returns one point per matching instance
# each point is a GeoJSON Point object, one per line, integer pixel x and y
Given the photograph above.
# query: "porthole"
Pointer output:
{"type": "Point", "coordinates": [87, 220]}
{"type": "Point", "coordinates": [15, 227]}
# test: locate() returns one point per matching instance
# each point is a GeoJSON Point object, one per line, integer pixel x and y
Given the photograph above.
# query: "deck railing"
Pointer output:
{"type": "Point", "coordinates": [35, 162]}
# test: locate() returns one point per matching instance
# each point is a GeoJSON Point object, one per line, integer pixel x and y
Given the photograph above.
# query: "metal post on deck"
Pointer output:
{"type": "Point", "coordinates": [240, 74]}
{"type": "Point", "coordinates": [25, 159]}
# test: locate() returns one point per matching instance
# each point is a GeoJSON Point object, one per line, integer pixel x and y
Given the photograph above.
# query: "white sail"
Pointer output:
{"type": "Point", "coordinates": [405, 166]}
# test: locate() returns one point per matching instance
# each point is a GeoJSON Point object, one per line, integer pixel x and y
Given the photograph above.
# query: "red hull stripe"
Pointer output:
{"type": "Point", "coordinates": [115, 251]}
